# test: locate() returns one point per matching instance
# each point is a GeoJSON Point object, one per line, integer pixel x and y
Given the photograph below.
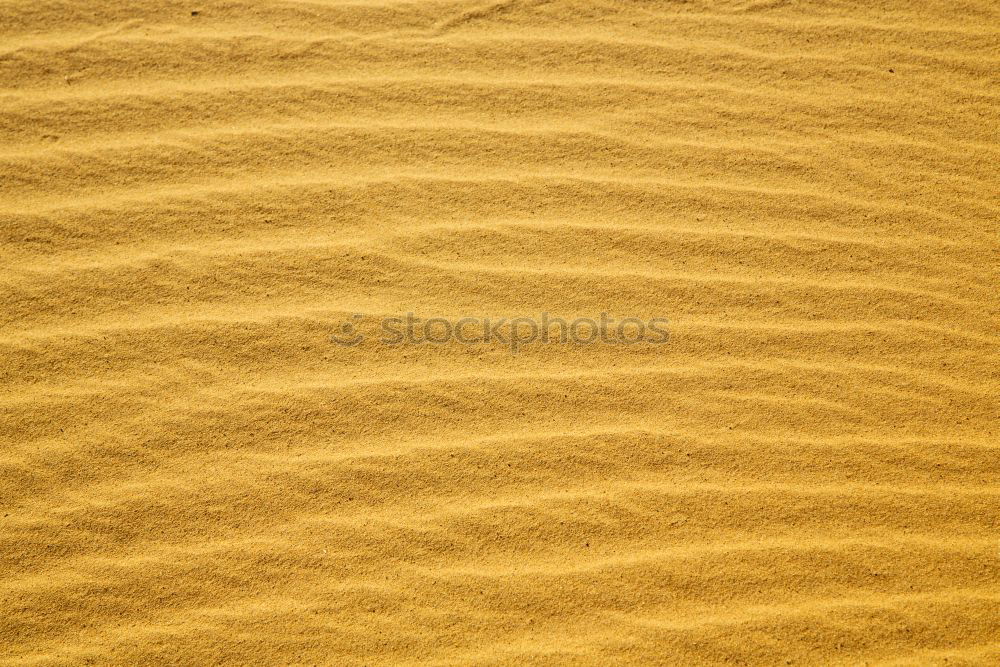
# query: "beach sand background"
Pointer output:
{"type": "Point", "coordinates": [194, 196]}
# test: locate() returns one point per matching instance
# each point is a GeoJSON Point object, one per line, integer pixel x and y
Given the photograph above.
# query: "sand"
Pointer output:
{"type": "Point", "coordinates": [195, 196]}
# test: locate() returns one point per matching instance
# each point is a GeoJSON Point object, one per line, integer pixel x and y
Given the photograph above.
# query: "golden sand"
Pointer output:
{"type": "Point", "coordinates": [195, 196]}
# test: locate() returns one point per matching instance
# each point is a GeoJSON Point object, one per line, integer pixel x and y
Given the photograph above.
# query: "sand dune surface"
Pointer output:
{"type": "Point", "coordinates": [199, 199]}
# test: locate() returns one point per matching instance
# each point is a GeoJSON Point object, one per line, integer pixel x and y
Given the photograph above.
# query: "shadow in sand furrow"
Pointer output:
{"type": "Point", "coordinates": [707, 586]}
{"type": "Point", "coordinates": [358, 208]}
{"type": "Point", "coordinates": [681, 246]}
{"type": "Point", "coordinates": [716, 540]}
{"type": "Point", "coordinates": [127, 479]}
{"type": "Point", "coordinates": [501, 183]}
{"type": "Point", "coordinates": [137, 445]}
{"type": "Point", "coordinates": [854, 393]}
{"type": "Point", "coordinates": [125, 59]}
{"type": "Point", "coordinates": [331, 278]}
{"type": "Point", "coordinates": [214, 627]}
{"type": "Point", "coordinates": [64, 116]}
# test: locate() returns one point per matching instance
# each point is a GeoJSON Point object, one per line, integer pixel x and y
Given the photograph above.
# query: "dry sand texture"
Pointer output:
{"type": "Point", "coordinates": [195, 195]}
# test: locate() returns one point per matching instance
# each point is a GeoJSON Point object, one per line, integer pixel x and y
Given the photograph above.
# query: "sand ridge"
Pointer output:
{"type": "Point", "coordinates": [195, 196]}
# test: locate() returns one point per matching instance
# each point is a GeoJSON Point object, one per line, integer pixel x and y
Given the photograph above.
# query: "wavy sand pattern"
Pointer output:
{"type": "Point", "coordinates": [194, 196]}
